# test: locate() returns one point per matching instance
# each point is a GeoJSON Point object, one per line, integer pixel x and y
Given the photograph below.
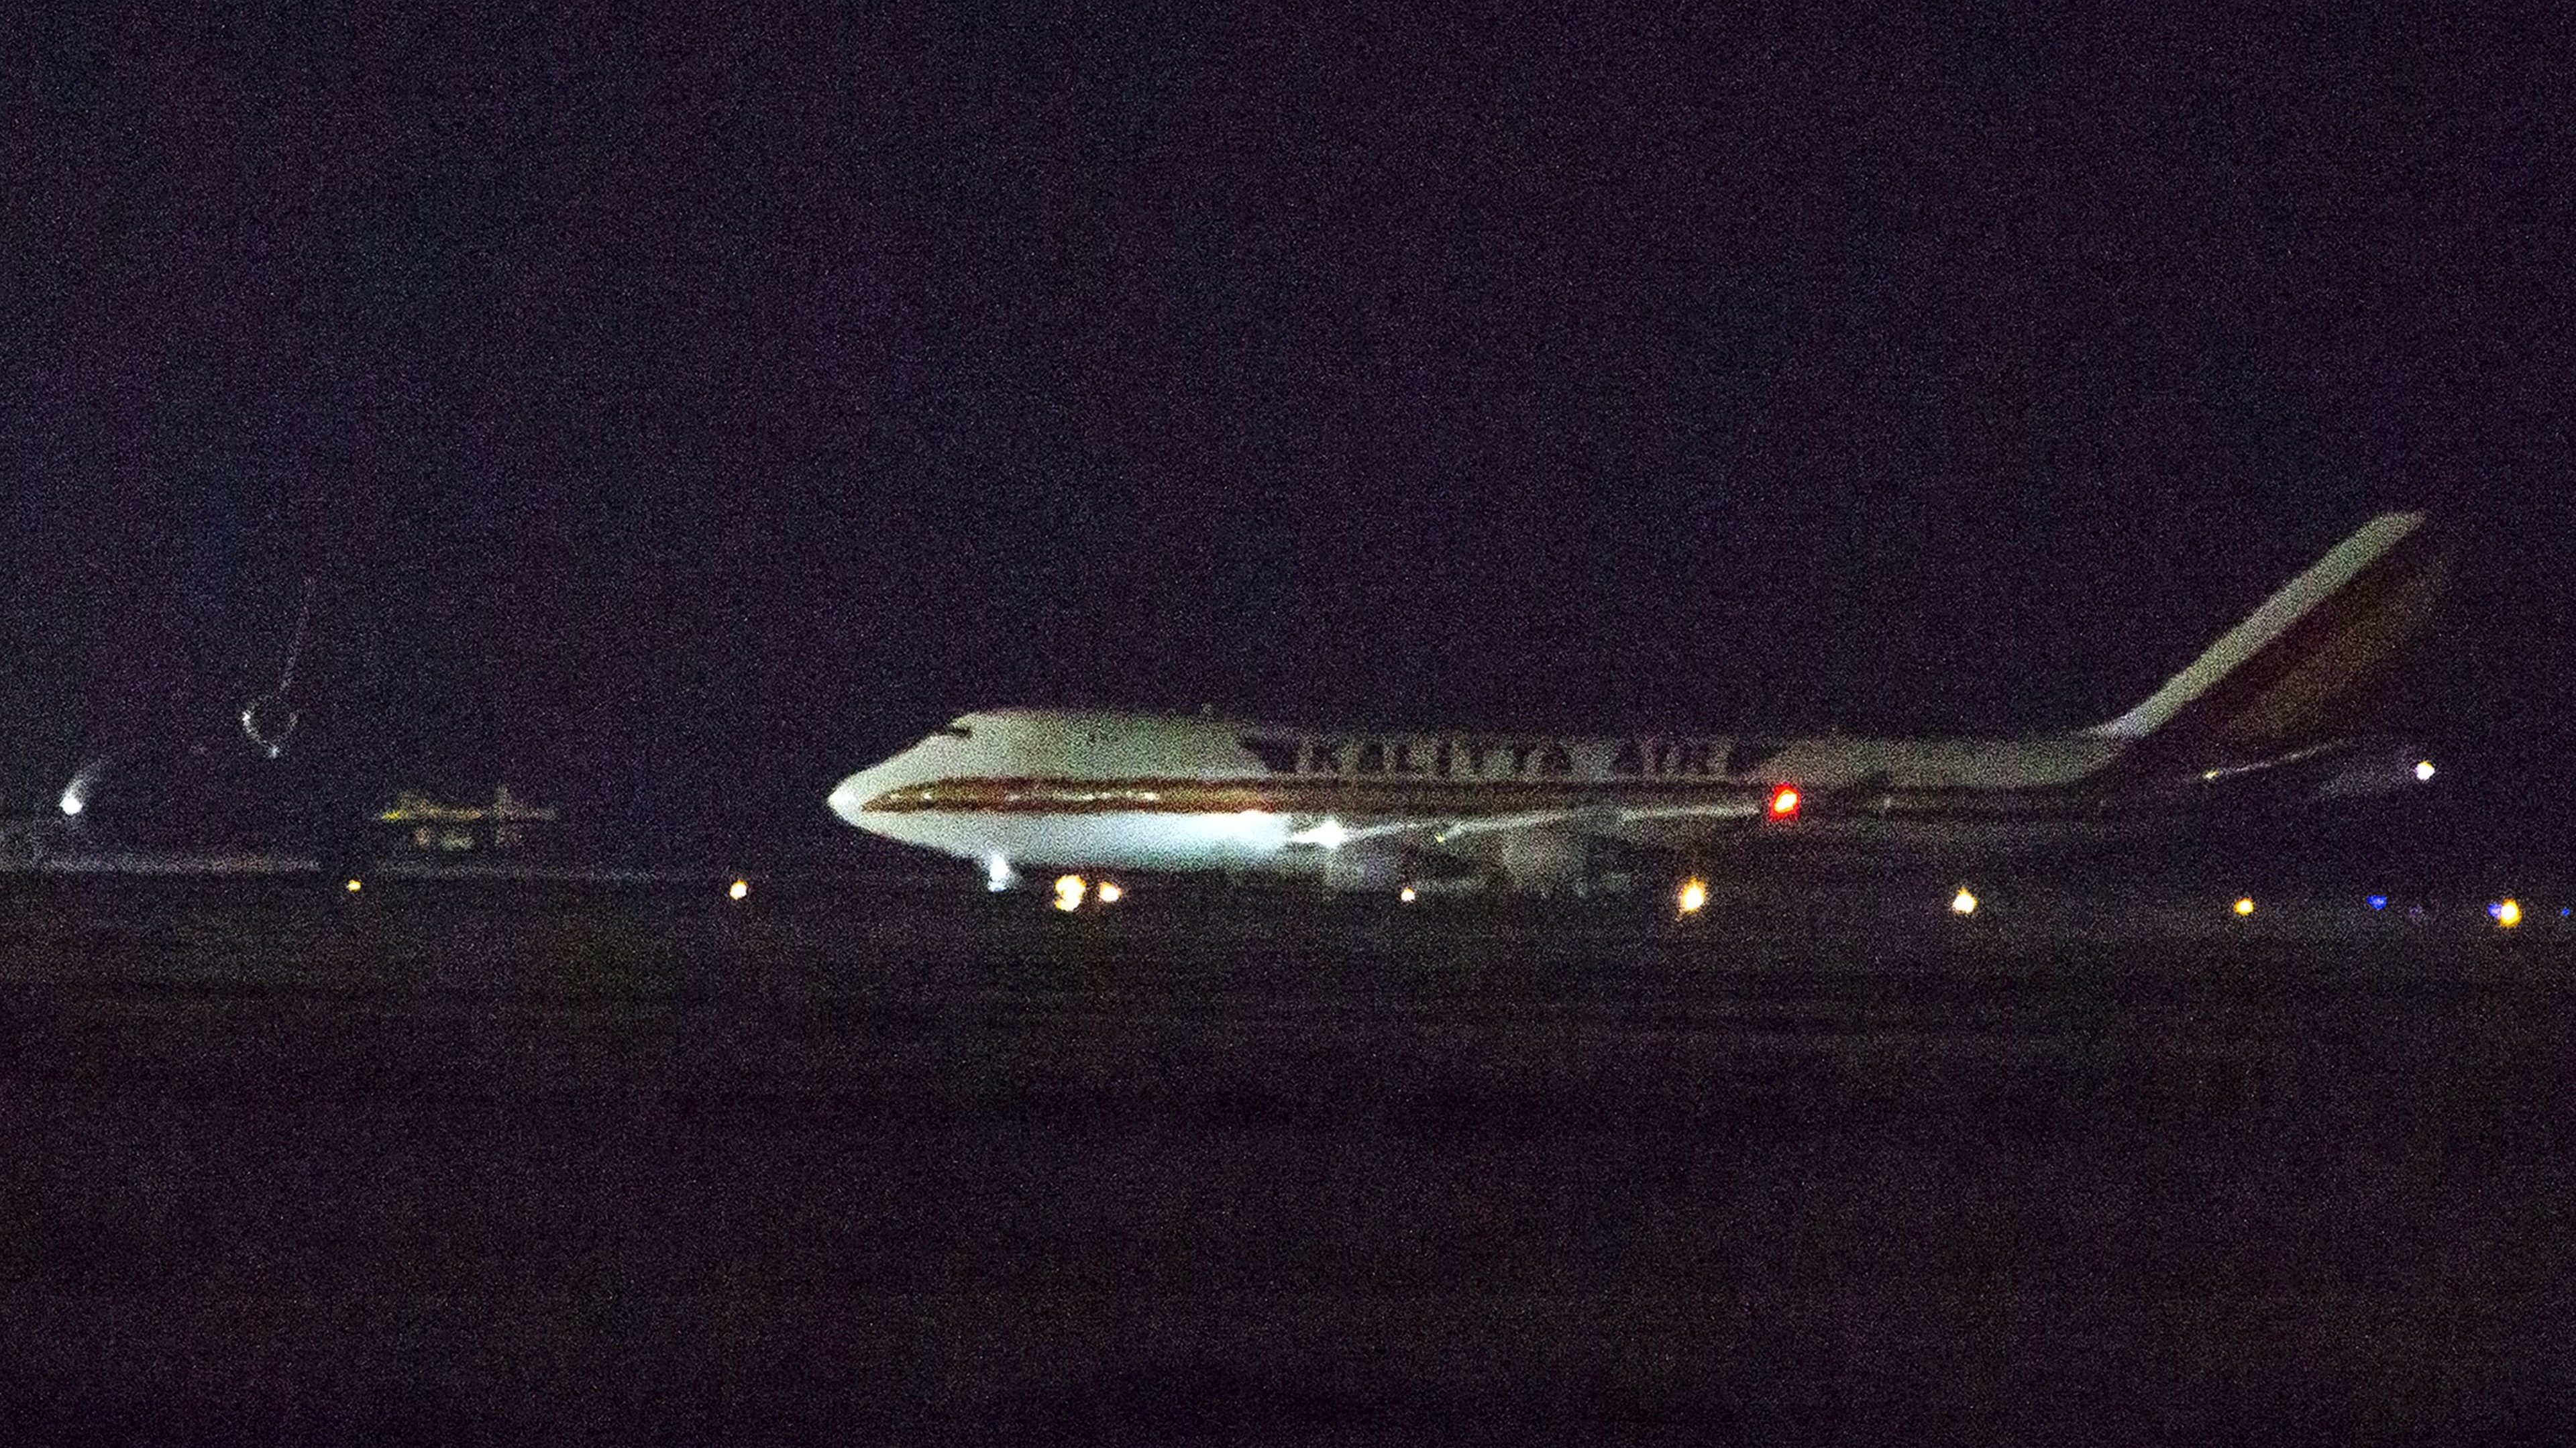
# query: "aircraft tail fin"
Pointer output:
{"type": "Point", "coordinates": [2294, 670]}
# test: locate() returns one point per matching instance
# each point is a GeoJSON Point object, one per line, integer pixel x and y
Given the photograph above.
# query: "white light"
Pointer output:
{"type": "Point", "coordinates": [1069, 890]}
{"type": "Point", "coordinates": [739, 889]}
{"type": "Point", "coordinates": [998, 874]}
{"type": "Point", "coordinates": [1963, 903]}
{"type": "Point", "coordinates": [1408, 894]}
{"type": "Point", "coordinates": [1693, 897]}
{"type": "Point", "coordinates": [1255, 830]}
{"type": "Point", "coordinates": [2423, 771]}
{"type": "Point", "coordinates": [1110, 892]}
{"type": "Point", "coordinates": [72, 802]}
{"type": "Point", "coordinates": [1330, 835]}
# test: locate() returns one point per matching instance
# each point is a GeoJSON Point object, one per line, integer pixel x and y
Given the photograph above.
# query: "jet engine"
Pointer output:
{"type": "Point", "coordinates": [1361, 867]}
{"type": "Point", "coordinates": [1542, 860]}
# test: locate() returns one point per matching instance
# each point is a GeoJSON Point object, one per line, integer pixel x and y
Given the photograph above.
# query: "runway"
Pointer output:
{"type": "Point", "coordinates": [864, 1161]}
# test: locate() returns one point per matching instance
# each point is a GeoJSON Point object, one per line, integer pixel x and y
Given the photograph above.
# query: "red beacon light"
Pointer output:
{"type": "Point", "coordinates": [1784, 802]}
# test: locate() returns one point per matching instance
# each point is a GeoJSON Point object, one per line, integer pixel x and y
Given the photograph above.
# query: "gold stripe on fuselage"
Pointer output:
{"type": "Point", "coordinates": [1434, 799]}
{"type": "Point", "coordinates": [1040, 795]}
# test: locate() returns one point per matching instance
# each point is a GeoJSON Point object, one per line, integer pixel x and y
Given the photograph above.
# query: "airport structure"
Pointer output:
{"type": "Point", "coordinates": [24, 843]}
{"type": "Point", "coordinates": [427, 825]}
{"type": "Point", "coordinates": [2272, 715]}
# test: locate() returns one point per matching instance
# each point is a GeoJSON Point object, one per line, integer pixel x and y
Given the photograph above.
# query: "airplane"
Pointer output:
{"type": "Point", "coordinates": [2269, 716]}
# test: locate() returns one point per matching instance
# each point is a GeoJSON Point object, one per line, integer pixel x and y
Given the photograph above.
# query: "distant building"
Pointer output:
{"type": "Point", "coordinates": [24, 843]}
{"type": "Point", "coordinates": [504, 824]}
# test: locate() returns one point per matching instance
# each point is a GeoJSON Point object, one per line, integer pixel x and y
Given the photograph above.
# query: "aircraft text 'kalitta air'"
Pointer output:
{"type": "Point", "coordinates": [1436, 756]}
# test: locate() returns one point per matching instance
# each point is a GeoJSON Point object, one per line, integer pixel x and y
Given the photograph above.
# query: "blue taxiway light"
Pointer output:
{"type": "Point", "coordinates": [2378, 902]}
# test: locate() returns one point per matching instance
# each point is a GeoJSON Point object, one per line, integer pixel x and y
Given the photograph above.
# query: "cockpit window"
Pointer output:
{"type": "Point", "coordinates": [958, 731]}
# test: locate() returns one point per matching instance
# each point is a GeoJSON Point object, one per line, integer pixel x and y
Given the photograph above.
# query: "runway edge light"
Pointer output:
{"type": "Point", "coordinates": [1963, 903]}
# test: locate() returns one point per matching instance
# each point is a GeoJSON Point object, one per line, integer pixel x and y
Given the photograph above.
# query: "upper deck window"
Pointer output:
{"type": "Point", "coordinates": [1279, 756]}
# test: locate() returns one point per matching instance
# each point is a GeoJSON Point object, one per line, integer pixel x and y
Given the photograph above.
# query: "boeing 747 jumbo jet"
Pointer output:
{"type": "Point", "coordinates": [2264, 717]}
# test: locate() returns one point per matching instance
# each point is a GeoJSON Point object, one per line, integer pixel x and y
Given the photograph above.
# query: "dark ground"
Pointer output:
{"type": "Point", "coordinates": [450, 1162]}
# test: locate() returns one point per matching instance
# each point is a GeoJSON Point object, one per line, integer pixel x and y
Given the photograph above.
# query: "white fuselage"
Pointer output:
{"type": "Point", "coordinates": [1081, 789]}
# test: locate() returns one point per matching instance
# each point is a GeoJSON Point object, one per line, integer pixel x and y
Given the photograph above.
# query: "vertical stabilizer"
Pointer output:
{"type": "Point", "coordinates": [2294, 669]}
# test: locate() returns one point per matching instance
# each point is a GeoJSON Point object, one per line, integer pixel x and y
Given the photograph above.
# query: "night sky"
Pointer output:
{"type": "Point", "coordinates": [677, 417]}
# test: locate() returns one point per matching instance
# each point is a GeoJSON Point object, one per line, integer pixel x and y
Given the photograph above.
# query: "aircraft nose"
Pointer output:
{"type": "Point", "coordinates": [851, 795]}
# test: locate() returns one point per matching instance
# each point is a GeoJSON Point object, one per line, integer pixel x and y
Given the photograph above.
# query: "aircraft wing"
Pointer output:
{"type": "Point", "coordinates": [1539, 819]}
{"type": "Point", "coordinates": [1662, 824]}
{"type": "Point", "coordinates": [1725, 812]}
